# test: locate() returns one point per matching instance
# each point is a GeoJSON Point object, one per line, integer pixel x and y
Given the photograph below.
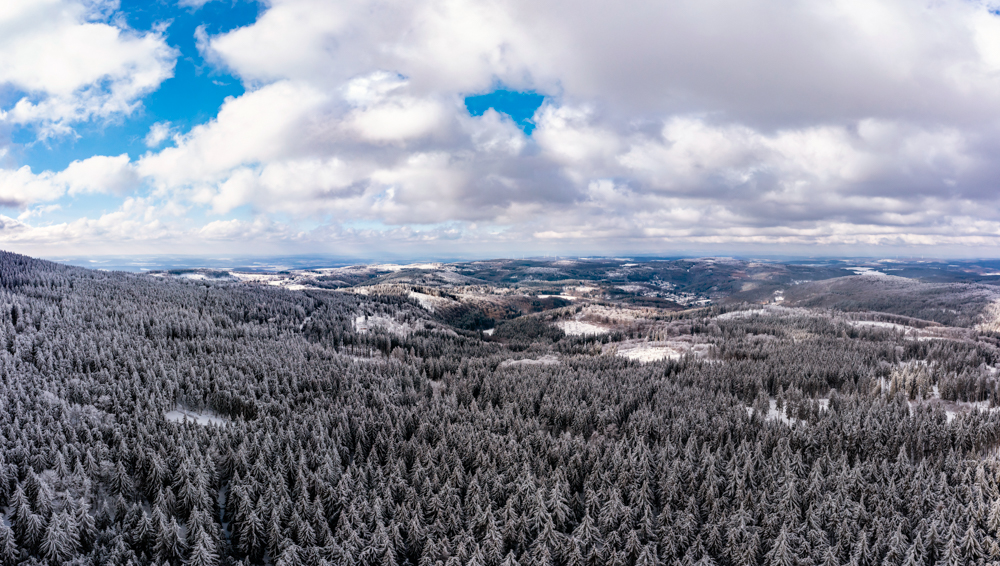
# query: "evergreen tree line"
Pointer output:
{"type": "Point", "coordinates": [803, 440]}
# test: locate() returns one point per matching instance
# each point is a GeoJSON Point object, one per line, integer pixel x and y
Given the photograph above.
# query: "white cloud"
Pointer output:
{"type": "Point", "coordinates": [847, 122]}
{"type": "Point", "coordinates": [98, 174]}
{"type": "Point", "coordinates": [71, 68]}
{"type": "Point", "coordinates": [158, 133]}
{"type": "Point", "coordinates": [280, 119]}
{"type": "Point", "coordinates": [21, 187]}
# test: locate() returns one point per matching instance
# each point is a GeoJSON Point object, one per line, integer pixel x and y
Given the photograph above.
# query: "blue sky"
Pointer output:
{"type": "Point", "coordinates": [447, 128]}
{"type": "Point", "coordinates": [191, 96]}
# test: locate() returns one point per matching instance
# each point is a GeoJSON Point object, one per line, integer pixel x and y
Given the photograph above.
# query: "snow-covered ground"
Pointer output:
{"type": "Point", "coordinates": [428, 302]}
{"type": "Point", "coordinates": [579, 328]}
{"type": "Point", "coordinates": [364, 324]}
{"type": "Point", "coordinates": [547, 360]}
{"type": "Point", "coordinates": [766, 310]}
{"type": "Point", "coordinates": [651, 353]}
{"type": "Point", "coordinates": [880, 324]}
{"type": "Point", "coordinates": [773, 414]}
{"type": "Point", "coordinates": [181, 415]}
{"type": "Point", "coordinates": [868, 272]}
{"type": "Point", "coordinates": [392, 267]}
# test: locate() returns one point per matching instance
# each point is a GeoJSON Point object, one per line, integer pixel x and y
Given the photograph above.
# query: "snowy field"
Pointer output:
{"type": "Point", "coordinates": [365, 323]}
{"type": "Point", "coordinates": [428, 302]}
{"type": "Point", "coordinates": [651, 353]}
{"type": "Point", "coordinates": [579, 328]}
{"type": "Point", "coordinates": [547, 360]}
{"type": "Point", "coordinates": [182, 415]}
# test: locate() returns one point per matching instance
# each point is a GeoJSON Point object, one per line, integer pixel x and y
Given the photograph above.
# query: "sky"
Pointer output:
{"type": "Point", "coordinates": [499, 128]}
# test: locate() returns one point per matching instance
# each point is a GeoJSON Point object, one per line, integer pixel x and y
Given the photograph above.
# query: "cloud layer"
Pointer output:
{"type": "Point", "coordinates": [666, 127]}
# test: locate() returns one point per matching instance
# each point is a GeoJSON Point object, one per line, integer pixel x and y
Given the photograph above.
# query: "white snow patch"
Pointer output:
{"type": "Point", "coordinates": [766, 310]}
{"type": "Point", "coordinates": [257, 277]}
{"type": "Point", "coordinates": [395, 267]}
{"type": "Point", "coordinates": [867, 272]}
{"type": "Point", "coordinates": [773, 414]}
{"type": "Point", "coordinates": [880, 324]}
{"type": "Point", "coordinates": [364, 324]}
{"type": "Point", "coordinates": [578, 328]}
{"type": "Point", "coordinates": [546, 360]}
{"type": "Point", "coordinates": [179, 415]}
{"type": "Point", "coordinates": [651, 353]}
{"type": "Point", "coordinates": [428, 302]}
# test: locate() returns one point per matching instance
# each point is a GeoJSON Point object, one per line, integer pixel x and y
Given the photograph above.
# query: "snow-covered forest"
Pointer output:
{"type": "Point", "coordinates": [150, 420]}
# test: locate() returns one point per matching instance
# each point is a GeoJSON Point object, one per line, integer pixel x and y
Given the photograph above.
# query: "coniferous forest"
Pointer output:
{"type": "Point", "coordinates": [167, 421]}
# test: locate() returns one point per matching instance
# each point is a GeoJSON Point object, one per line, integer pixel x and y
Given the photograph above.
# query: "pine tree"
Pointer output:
{"type": "Point", "coordinates": [291, 555]}
{"type": "Point", "coordinates": [253, 537]}
{"type": "Point", "coordinates": [898, 546]}
{"type": "Point", "coordinates": [169, 545]}
{"type": "Point", "coordinates": [781, 552]}
{"type": "Point", "coordinates": [85, 524]}
{"type": "Point", "coordinates": [510, 560]}
{"type": "Point", "coordinates": [61, 540]}
{"type": "Point", "coordinates": [971, 545]}
{"type": "Point", "coordinates": [830, 558]}
{"type": "Point", "coordinates": [648, 557]}
{"type": "Point", "coordinates": [914, 556]}
{"type": "Point", "coordinates": [951, 553]}
{"type": "Point", "coordinates": [203, 551]}
{"type": "Point", "coordinates": [9, 552]}
{"type": "Point", "coordinates": [556, 503]}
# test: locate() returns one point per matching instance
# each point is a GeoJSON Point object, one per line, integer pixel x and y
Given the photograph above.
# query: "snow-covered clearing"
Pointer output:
{"type": "Point", "coordinates": [880, 324]}
{"type": "Point", "coordinates": [952, 408]}
{"type": "Point", "coordinates": [546, 360]}
{"type": "Point", "coordinates": [990, 318]}
{"type": "Point", "coordinates": [643, 351]}
{"type": "Point", "coordinates": [773, 414]}
{"type": "Point", "coordinates": [269, 278]}
{"type": "Point", "coordinates": [366, 323]}
{"type": "Point", "coordinates": [868, 272]}
{"type": "Point", "coordinates": [651, 353]}
{"type": "Point", "coordinates": [579, 328]}
{"type": "Point", "coordinates": [428, 302]}
{"type": "Point", "coordinates": [766, 310]}
{"type": "Point", "coordinates": [179, 415]}
{"type": "Point", "coordinates": [392, 267]}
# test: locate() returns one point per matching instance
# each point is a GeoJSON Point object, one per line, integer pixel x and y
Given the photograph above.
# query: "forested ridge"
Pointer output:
{"type": "Point", "coordinates": [801, 440]}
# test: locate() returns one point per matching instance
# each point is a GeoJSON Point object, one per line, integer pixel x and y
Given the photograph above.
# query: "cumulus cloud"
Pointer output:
{"type": "Point", "coordinates": [701, 123]}
{"type": "Point", "coordinates": [99, 174]}
{"type": "Point", "coordinates": [68, 66]}
{"type": "Point", "coordinates": [158, 133]}
{"type": "Point", "coordinates": [20, 187]}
